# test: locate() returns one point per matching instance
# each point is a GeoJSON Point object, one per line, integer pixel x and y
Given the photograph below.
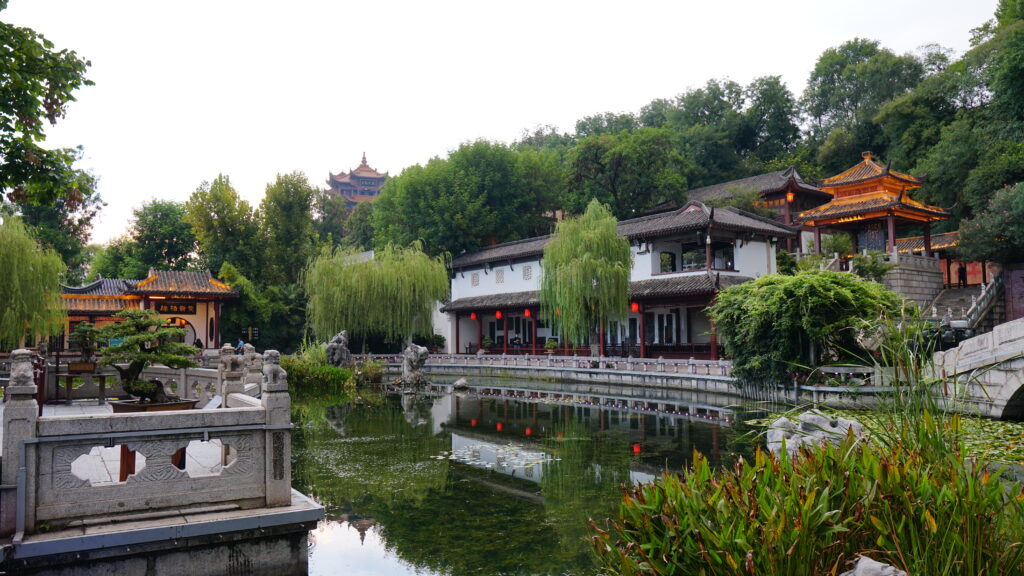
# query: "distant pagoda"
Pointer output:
{"type": "Point", "coordinates": [360, 185]}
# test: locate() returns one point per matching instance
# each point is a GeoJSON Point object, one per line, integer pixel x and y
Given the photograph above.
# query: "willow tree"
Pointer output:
{"type": "Point", "coordinates": [392, 293]}
{"type": "Point", "coordinates": [586, 273]}
{"type": "Point", "coordinates": [30, 289]}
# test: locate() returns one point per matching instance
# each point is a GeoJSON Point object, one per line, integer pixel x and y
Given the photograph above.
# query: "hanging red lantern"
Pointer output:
{"type": "Point", "coordinates": [527, 313]}
{"type": "Point", "coordinates": [636, 448]}
{"type": "Point", "coordinates": [500, 426]}
{"type": "Point", "coordinates": [558, 311]}
{"type": "Point", "coordinates": [473, 422]}
{"type": "Point", "coordinates": [635, 306]}
{"type": "Point", "coordinates": [472, 315]}
{"type": "Point", "coordinates": [498, 314]}
{"type": "Point", "coordinates": [789, 197]}
{"type": "Point", "coordinates": [529, 431]}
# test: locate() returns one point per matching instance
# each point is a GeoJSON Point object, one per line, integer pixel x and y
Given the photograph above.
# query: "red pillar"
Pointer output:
{"type": "Point", "coordinates": [533, 341]}
{"type": "Point", "coordinates": [928, 239]}
{"type": "Point", "coordinates": [456, 351]}
{"type": "Point", "coordinates": [504, 345]}
{"type": "Point", "coordinates": [714, 341]}
{"type": "Point", "coordinates": [479, 331]}
{"type": "Point", "coordinates": [891, 232]}
{"type": "Point", "coordinates": [817, 240]}
{"type": "Point", "coordinates": [707, 249]}
{"type": "Point", "coordinates": [600, 334]}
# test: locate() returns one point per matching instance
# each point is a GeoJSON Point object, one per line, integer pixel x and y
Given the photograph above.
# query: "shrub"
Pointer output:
{"type": "Point", "coordinates": [309, 377]}
{"type": "Point", "coordinates": [370, 372]}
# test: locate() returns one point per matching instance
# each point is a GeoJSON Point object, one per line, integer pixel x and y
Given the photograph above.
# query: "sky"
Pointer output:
{"type": "Point", "coordinates": [188, 90]}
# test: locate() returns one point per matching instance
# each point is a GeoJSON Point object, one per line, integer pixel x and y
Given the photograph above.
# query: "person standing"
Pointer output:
{"type": "Point", "coordinates": [961, 275]}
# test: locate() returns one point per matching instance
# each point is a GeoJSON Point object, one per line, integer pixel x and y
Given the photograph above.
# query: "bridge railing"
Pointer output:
{"type": "Point", "coordinates": [984, 301]}
{"type": "Point", "coordinates": [657, 365]}
{"type": "Point", "coordinates": [65, 471]}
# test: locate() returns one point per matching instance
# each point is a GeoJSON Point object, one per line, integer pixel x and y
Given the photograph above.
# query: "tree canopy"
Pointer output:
{"type": "Point", "coordinates": [30, 290]}
{"type": "Point", "coordinates": [778, 325]}
{"type": "Point", "coordinates": [585, 279]}
{"type": "Point", "coordinates": [393, 293]}
{"type": "Point", "coordinates": [996, 233]}
{"type": "Point", "coordinates": [226, 226]}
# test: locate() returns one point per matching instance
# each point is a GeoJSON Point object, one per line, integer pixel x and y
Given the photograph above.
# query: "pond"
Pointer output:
{"type": "Point", "coordinates": [498, 480]}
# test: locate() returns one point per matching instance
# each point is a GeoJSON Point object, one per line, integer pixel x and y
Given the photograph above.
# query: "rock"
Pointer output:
{"type": "Point", "coordinates": [338, 353]}
{"type": "Point", "coordinates": [868, 567]}
{"type": "Point", "coordinates": [812, 427]}
{"type": "Point", "coordinates": [460, 384]}
{"type": "Point", "coordinates": [413, 359]}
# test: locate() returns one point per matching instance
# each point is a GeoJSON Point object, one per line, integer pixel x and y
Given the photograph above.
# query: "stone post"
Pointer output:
{"type": "Point", "coordinates": [253, 367]}
{"type": "Point", "coordinates": [230, 370]}
{"type": "Point", "coordinates": [278, 405]}
{"type": "Point", "coordinates": [20, 415]}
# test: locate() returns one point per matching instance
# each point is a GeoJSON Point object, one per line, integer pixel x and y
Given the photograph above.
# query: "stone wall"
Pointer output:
{"type": "Point", "coordinates": [915, 278]}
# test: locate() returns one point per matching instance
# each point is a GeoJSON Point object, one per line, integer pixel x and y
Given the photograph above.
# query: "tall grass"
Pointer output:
{"type": "Point", "coordinates": [909, 496]}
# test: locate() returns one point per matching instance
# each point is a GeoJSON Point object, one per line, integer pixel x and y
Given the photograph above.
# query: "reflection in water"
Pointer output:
{"type": "Point", "coordinates": [498, 482]}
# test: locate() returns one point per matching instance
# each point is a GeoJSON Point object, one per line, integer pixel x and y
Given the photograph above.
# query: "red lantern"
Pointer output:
{"type": "Point", "coordinates": [635, 306]}
{"type": "Point", "coordinates": [636, 448]}
{"type": "Point", "coordinates": [789, 197]}
{"type": "Point", "coordinates": [499, 426]}
{"type": "Point", "coordinates": [498, 314]}
{"type": "Point", "coordinates": [529, 431]}
{"type": "Point", "coordinates": [558, 311]}
{"type": "Point", "coordinates": [473, 422]}
{"type": "Point", "coordinates": [472, 315]}
{"type": "Point", "coordinates": [527, 313]}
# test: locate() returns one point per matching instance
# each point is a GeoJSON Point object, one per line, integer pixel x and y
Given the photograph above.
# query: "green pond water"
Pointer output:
{"type": "Point", "coordinates": [489, 482]}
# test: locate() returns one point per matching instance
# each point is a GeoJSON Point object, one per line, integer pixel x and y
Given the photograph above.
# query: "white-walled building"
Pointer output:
{"type": "Point", "coordinates": [681, 259]}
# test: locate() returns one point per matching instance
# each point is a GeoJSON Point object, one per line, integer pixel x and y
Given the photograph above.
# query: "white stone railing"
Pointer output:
{"type": "Point", "coordinates": [984, 301]}
{"type": "Point", "coordinates": [65, 471]}
{"type": "Point", "coordinates": [654, 365]}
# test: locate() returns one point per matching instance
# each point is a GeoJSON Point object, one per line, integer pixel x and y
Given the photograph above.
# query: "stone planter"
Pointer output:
{"type": "Point", "coordinates": [127, 406]}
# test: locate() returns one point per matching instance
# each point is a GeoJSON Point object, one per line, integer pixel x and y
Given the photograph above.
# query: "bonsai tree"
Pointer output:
{"type": "Point", "coordinates": [85, 337]}
{"type": "Point", "coordinates": [487, 343]}
{"type": "Point", "coordinates": [140, 339]}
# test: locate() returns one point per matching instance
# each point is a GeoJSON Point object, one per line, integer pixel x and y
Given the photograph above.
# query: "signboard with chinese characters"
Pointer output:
{"type": "Point", "coordinates": [172, 307]}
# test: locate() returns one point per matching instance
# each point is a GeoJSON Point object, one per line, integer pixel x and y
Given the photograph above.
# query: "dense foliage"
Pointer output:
{"type": "Point", "coordinates": [996, 233]}
{"type": "Point", "coordinates": [586, 274]}
{"type": "Point", "coordinates": [778, 325]}
{"type": "Point", "coordinates": [141, 338]}
{"type": "Point", "coordinates": [391, 293]}
{"type": "Point", "coordinates": [30, 289]}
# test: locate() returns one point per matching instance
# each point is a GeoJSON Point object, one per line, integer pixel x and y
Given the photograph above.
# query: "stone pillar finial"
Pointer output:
{"type": "Point", "coordinates": [19, 424]}
{"type": "Point", "coordinates": [277, 402]}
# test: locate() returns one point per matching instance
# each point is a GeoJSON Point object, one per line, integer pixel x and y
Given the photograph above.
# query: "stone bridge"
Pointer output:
{"type": "Point", "coordinates": [986, 373]}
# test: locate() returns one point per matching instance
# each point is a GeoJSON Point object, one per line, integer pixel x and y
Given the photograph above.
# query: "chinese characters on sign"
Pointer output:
{"type": "Point", "coordinates": [176, 307]}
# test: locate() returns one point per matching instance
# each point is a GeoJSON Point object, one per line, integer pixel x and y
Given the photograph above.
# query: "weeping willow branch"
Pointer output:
{"type": "Point", "coordinates": [586, 273]}
{"type": "Point", "coordinates": [30, 289]}
{"type": "Point", "coordinates": [393, 293]}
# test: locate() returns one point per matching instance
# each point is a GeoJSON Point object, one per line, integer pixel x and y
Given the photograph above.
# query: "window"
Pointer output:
{"type": "Point", "coordinates": [499, 276]}
{"type": "Point", "coordinates": [527, 272]}
{"type": "Point", "coordinates": [668, 262]}
{"type": "Point", "coordinates": [475, 281]}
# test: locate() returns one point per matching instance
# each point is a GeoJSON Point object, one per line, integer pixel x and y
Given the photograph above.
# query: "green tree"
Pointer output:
{"type": "Point", "coordinates": [30, 289]}
{"type": "Point", "coordinates": [607, 123]}
{"type": "Point", "coordinates": [287, 218]}
{"type": "Point", "coordinates": [770, 118]}
{"type": "Point", "coordinates": [163, 238]}
{"type": "Point", "coordinates": [586, 266]}
{"type": "Point", "coordinates": [330, 212]}
{"type": "Point", "coordinates": [777, 325]}
{"type": "Point", "coordinates": [38, 84]}
{"type": "Point", "coordinates": [140, 339]}
{"type": "Point", "coordinates": [118, 259]}
{"type": "Point", "coordinates": [996, 233]}
{"type": "Point", "coordinates": [359, 227]}
{"type": "Point", "coordinates": [393, 293]}
{"type": "Point", "coordinates": [226, 227]}
{"type": "Point", "coordinates": [632, 172]}
{"type": "Point", "coordinates": [483, 193]}
{"type": "Point", "coordinates": [65, 225]}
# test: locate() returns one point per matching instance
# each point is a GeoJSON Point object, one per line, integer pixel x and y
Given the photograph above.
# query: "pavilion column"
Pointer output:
{"type": "Point", "coordinates": [600, 333]}
{"type": "Point", "coordinates": [890, 221]}
{"type": "Point", "coordinates": [457, 342]}
{"type": "Point", "coordinates": [643, 332]}
{"type": "Point", "coordinates": [707, 249]}
{"type": "Point", "coordinates": [479, 331]}
{"type": "Point", "coordinates": [215, 338]}
{"type": "Point", "coordinates": [504, 345]}
{"type": "Point", "coordinates": [928, 239]}
{"type": "Point", "coordinates": [817, 240]}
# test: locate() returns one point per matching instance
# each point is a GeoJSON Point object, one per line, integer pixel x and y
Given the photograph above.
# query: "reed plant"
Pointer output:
{"type": "Point", "coordinates": [909, 495]}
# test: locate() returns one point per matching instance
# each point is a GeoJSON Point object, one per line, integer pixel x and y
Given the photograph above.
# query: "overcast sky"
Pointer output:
{"type": "Point", "coordinates": [189, 89]}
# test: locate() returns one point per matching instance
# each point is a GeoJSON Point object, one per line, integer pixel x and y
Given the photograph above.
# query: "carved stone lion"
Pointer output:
{"type": "Point", "coordinates": [21, 368]}
{"type": "Point", "coordinates": [272, 371]}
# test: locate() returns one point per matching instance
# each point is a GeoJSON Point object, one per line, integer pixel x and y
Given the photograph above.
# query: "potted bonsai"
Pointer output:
{"type": "Point", "coordinates": [550, 344]}
{"type": "Point", "coordinates": [486, 344]}
{"type": "Point", "coordinates": [140, 339]}
{"type": "Point", "coordinates": [85, 337]}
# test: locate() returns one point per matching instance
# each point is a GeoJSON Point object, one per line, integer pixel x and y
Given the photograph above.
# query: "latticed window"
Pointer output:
{"type": "Point", "coordinates": [475, 281]}
{"type": "Point", "coordinates": [527, 272]}
{"type": "Point", "coordinates": [499, 276]}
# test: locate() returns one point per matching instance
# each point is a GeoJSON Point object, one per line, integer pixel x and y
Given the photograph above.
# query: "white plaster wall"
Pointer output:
{"type": "Point", "coordinates": [462, 285]}
{"type": "Point", "coordinates": [754, 258]}
{"type": "Point", "coordinates": [643, 264]}
{"type": "Point", "coordinates": [443, 326]}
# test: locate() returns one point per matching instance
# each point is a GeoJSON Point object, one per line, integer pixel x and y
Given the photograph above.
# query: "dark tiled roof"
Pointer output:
{"type": "Point", "coordinates": [102, 287]}
{"type": "Point", "coordinates": [867, 203]}
{"type": "Point", "coordinates": [916, 243]}
{"type": "Point", "coordinates": [509, 300]}
{"type": "Point", "coordinates": [179, 282]}
{"type": "Point", "coordinates": [91, 305]}
{"type": "Point", "coordinates": [868, 169]}
{"type": "Point", "coordinates": [507, 251]}
{"type": "Point", "coordinates": [763, 183]}
{"type": "Point", "coordinates": [683, 285]}
{"type": "Point", "coordinates": [693, 216]}
{"type": "Point", "coordinates": [702, 282]}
